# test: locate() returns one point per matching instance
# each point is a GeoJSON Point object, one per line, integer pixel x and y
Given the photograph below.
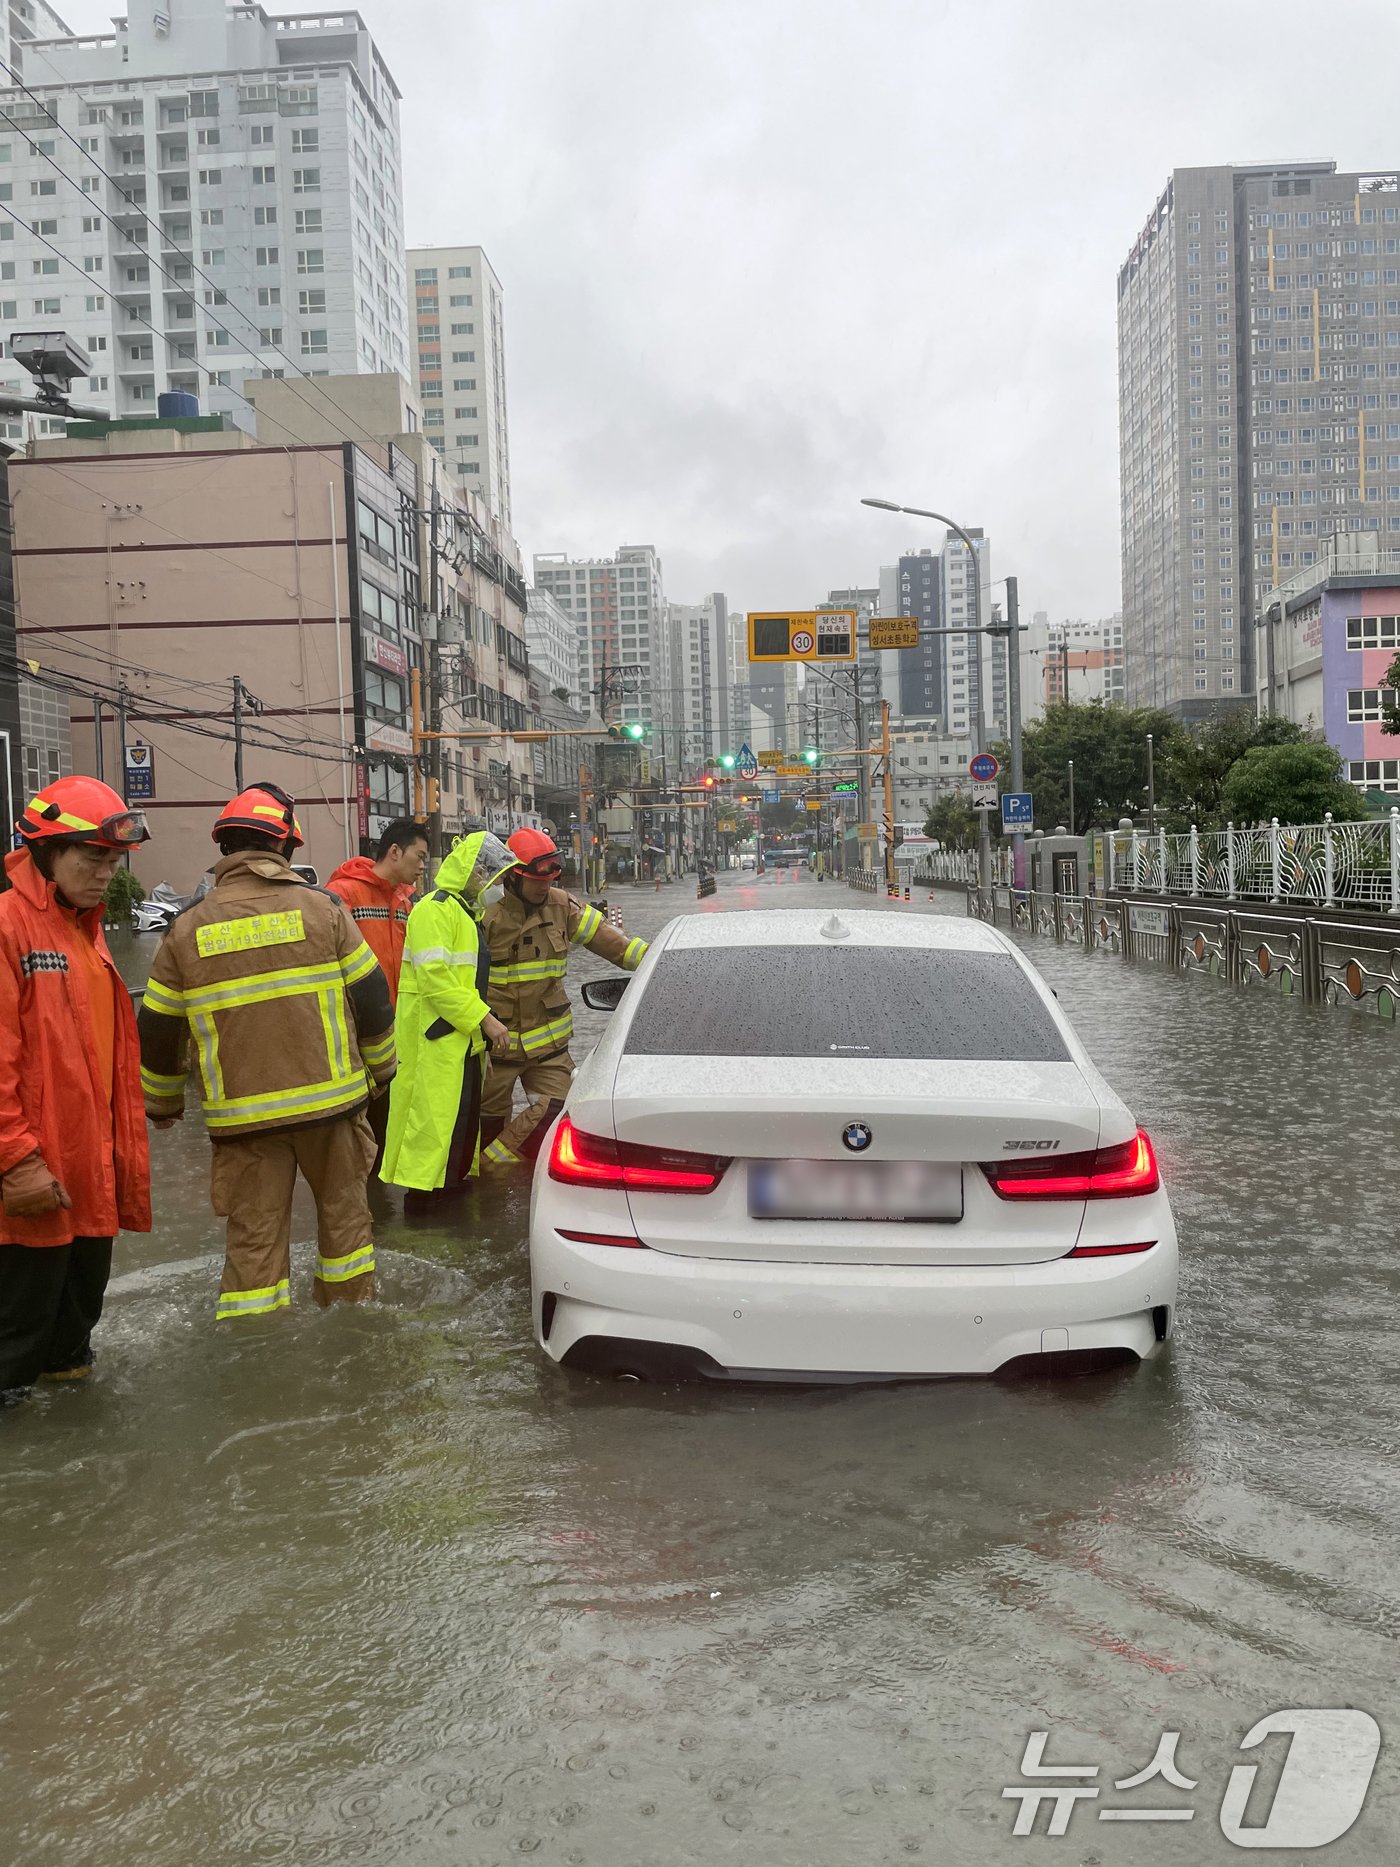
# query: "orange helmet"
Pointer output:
{"type": "Point", "coordinates": [265, 808]}
{"type": "Point", "coordinates": [82, 810]}
{"type": "Point", "coordinates": [536, 853]}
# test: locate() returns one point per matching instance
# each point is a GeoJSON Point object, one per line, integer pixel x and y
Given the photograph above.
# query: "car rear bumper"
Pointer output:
{"type": "Point", "coordinates": [838, 1321]}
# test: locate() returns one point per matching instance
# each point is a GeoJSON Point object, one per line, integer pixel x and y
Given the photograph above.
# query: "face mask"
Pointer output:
{"type": "Point", "coordinates": [490, 896]}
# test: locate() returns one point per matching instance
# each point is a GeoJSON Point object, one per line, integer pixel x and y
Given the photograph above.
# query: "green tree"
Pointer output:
{"type": "Point", "coordinates": [953, 822]}
{"type": "Point", "coordinates": [1295, 783]}
{"type": "Point", "coordinates": [1108, 745]}
{"type": "Point", "coordinates": [1192, 779]}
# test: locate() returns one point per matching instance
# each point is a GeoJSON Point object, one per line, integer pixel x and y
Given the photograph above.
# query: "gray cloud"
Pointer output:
{"type": "Point", "coordinates": [763, 258]}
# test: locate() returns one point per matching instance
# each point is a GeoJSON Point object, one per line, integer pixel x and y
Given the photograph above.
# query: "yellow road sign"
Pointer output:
{"type": "Point", "coordinates": [770, 760]}
{"type": "Point", "coordinates": [813, 803]}
{"type": "Point", "coordinates": [894, 632]}
{"type": "Point", "coordinates": [803, 635]}
{"type": "Point", "coordinates": [792, 771]}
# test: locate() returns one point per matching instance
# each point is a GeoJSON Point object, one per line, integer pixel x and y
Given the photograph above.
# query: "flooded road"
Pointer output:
{"type": "Point", "coordinates": [382, 1586]}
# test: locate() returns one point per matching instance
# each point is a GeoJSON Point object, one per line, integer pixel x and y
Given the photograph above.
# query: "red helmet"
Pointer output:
{"type": "Point", "coordinates": [262, 807]}
{"type": "Point", "coordinates": [82, 810]}
{"type": "Point", "coordinates": [536, 853]}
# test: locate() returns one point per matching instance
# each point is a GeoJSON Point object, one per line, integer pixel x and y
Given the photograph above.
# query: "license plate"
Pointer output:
{"type": "Point", "coordinates": [872, 1190]}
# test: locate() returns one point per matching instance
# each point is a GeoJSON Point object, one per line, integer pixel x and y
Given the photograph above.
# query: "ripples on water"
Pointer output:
{"type": "Point", "coordinates": [379, 1585]}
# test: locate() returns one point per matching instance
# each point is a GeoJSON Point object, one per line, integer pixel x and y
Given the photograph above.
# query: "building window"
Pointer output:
{"type": "Point", "coordinates": [1373, 631]}
{"type": "Point", "coordinates": [211, 178]}
{"type": "Point", "coordinates": [305, 142]}
{"type": "Point", "coordinates": [1369, 703]}
{"type": "Point", "coordinates": [306, 181]}
{"type": "Point", "coordinates": [311, 302]}
{"type": "Point", "coordinates": [268, 256]}
{"type": "Point", "coordinates": [425, 275]}
{"type": "Point", "coordinates": [308, 220]}
{"type": "Point", "coordinates": [314, 343]}
{"type": "Point", "coordinates": [264, 177]}
{"type": "Point", "coordinates": [458, 272]}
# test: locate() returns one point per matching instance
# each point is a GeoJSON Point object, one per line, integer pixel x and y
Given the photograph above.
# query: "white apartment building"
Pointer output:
{"type": "Point", "coordinates": [553, 639]}
{"type": "Point", "coordinates": [457, 334]}
{"type": "Point", "coordinates": [1076, 660]}
{"type": "Point", "coordinates": [927, 766]}
{"type": "Point", "coordinates": [618, 606]}
{"type": "Point", "coordinates": [701, 677]}
{"type": "Point", "coordinates": [20, 22]}
{"type": "Point", "coordinates": [206, 194]}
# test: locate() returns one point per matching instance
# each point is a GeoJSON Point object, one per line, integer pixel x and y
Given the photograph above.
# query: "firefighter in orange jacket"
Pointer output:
{"type": "Point", "coordinates": [530, 931]}
{"type": "Point", "coordinates": [73, 1157]}
{"type": "Point", "coordinates": [377, 891]}
{"type": "Point", "coordinates": [289, 1016]}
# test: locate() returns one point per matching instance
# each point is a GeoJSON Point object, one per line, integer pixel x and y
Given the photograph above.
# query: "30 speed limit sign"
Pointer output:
{"type": "Point", "coordinates": [802, 642]}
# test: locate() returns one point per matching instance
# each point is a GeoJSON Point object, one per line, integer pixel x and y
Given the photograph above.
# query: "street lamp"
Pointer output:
{"type": "Point", "coordinates": [984, 835]}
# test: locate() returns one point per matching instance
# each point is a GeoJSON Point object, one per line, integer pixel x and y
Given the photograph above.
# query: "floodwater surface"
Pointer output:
{"type": "Point", "coordinates": [382, 1585]}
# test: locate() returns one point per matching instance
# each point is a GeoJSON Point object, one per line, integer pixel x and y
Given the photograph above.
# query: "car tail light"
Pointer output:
{"type": "Point", "coordinates": [1109, 1251]}
{"type": "Point", "coordinates": [1120, 1172]}
{"type": "Point", "coordinates": [580, 1159]}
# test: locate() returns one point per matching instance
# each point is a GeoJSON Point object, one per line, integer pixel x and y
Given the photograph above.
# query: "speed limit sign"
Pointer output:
{"type": "Point", "coordinates": [802, 642]}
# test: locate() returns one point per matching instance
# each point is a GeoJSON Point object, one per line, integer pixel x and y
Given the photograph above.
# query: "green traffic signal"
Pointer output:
{"type": "Point", "coordinates": [727, 760]}
{"type": "Point", "coordinates": [812, 756]}
{"type": "Point", "coordinates": [636, 730]}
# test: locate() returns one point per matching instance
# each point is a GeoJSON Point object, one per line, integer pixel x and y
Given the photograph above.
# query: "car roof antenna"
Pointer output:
{"type": "Point", "coordinates": [835, 929]}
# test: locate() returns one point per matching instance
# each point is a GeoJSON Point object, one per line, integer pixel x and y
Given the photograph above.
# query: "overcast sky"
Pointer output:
{"type": "Point", "coordinates": [761, 257]}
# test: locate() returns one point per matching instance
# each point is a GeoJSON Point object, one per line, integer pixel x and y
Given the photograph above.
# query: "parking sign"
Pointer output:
{"type": "Point", "coordinates": [1017, 811]}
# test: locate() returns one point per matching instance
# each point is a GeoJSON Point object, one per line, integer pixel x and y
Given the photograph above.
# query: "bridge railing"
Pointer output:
{"type": "Point", "coordinates": [1324, 864]}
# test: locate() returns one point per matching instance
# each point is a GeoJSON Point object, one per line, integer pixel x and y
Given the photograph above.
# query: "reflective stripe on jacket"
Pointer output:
{"type": "Point", "coordinates": [529, 957]}
{"type": "Point", "coordinates": [379, 909]}
{"type": "Point", "coordinates": [437, 1026]}
{"type": "Point", "coordinates": [280, 1001]}
{"type": "Point", "coordinates": [51, 1098]}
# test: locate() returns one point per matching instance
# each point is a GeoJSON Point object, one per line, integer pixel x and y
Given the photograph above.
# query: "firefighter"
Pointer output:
{"type": "Point", "coordinates": [530, 932]}
{"type": "Point", "coordinates": [74, 1165]}
{"type": "Point", "coordinates": [444, 1026]}
{"type": "Point", "coordinates": [377, 892]}
{"type": "Point", "coordinates": [288, 1015]}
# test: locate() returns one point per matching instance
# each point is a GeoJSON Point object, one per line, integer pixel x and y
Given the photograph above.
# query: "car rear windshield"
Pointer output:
{"type": "Point", "coordinates": [802, 1001]}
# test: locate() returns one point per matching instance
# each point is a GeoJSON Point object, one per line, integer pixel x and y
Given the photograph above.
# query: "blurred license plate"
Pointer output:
{"type": "Point", "coordinates": [840, 1189]}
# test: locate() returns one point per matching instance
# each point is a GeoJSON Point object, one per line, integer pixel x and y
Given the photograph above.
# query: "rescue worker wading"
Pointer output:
{"type": "Point", "coordinates": [530, 932]}
{"type": "Point", "coordinates": [443, 1026]}
{"type": "Point", "coordinates": [74, 1165]}
{"type": "Point", "coordinates": [289, 1017]}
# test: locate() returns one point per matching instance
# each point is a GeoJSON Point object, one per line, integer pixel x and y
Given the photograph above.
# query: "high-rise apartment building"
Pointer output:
{"type": "Point", "coordinates": [204, 195]}
{"type": "Point", "coordinates": [700, 698]}
{"type": "Point", "coordinates": [618, 606]}
{"type": "Point", "coordinates": [1259, 407]}
{"type": "Point", "coordinates": [553, 638]}
{"type": "Point", "coordinates": [957, 669]}
{"type": "Point", "coordinates": [918, 592]}
{"type": "Point", "coordinates": [457, 333]}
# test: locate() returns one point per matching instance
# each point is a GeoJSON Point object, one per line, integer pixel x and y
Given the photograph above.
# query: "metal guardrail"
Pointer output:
{"type": "Point", "coordinates": [1321, 959]}
{"type": "Point", "coordinates": [1326, 864]}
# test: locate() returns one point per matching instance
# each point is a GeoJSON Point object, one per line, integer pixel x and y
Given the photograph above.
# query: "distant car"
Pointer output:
{"type": "Point", "coordinates": [812, 1148]}
{"type": "Point", "coordinates": [748, 861]}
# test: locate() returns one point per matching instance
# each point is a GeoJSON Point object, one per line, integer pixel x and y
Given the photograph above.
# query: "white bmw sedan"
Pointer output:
{"type": "Point", "coordinates": [830, 1147]}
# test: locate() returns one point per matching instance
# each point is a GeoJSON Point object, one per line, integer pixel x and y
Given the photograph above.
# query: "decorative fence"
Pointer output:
{"type": "Point", "coordinates": [1330, 864]}
{"type": "Point", "coordinates": [1323, 960]}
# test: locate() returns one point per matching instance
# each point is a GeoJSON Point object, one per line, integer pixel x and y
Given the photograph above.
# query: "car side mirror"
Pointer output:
{"type": "Point", "coordinates": [604, 994]}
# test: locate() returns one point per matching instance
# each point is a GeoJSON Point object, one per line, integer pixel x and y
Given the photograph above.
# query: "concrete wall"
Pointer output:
{"type": "Point", "coordinates": [173, 574]}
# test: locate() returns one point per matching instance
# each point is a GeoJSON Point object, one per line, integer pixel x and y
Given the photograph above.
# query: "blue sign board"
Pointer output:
{"type": "Point", "coordinates": [1016, 811]}
{"type": "Point", "coordinates": [746, 764]}
{"type": "Point", "coordinates": [140, 773]}
{"type": "Point", "coordinates": [772, 797]}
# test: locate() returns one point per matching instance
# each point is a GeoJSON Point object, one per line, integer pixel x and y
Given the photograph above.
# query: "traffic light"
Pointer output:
{"type": "Point", "coordinates": [433, 798]}
{"type": "Point", "coordinates": [633, 731]}
{"type": "Point", "coordinates": [811, 756]}
{"type": "Point", "coordinates": [728, 760]}
{"type": "Point", "coordinates": [709, 781]}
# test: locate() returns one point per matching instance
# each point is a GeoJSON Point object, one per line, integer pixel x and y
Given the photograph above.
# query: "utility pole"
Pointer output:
{"type": "Point", "coordinates": [237, 733]}
{"type": "Point", "coordinates": [889, 797]}
{"type": "Point", "coordinates": [1151, 790]}
{"type": "Point", "coordinates": [415, 694]}
{"type": "Point", "coordinates": [121, 737]}
{"type": "Point", "coordinates": [1013, 707]}
{"type": "Point", "coordinates": [435, 665]}
{"type": "Point", "coordinates": [1071, 797]}
{"type": "Point", "coordinates": [97, 737]}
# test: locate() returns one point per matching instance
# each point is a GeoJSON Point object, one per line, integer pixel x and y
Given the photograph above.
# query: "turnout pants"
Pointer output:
{"type": "Point", "coordinates": [50, 1301]}
{"type": "Point", "coordinates": [252, 1182]}
{"type": "Point", "coordinates": [507, 1140]}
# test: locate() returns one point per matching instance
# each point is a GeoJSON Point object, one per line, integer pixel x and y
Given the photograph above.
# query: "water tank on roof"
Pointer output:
{"type": "Point", "coordinates": [174, 403]}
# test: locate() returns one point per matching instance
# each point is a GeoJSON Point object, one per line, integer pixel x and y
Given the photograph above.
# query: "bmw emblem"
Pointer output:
{"type": "Point", "coordinates": [856, 1136]}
